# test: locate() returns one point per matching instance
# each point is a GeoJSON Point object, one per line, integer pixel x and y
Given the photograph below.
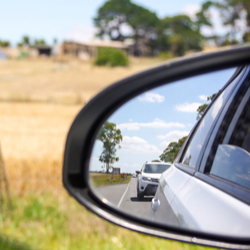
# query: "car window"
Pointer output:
{"type": "Point", "coordinates": [241, 134]}
{"type": "Point", "coordinates": [143, 167]}
{"type": "Point", "coordinates": [232, 161]}
{"type": "Point", "coordinates": [197, 141]}
{"type": "Point", "coordinates": [155, 168]}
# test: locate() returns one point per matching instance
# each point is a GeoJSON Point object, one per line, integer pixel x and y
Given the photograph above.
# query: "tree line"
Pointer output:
{"type": "Point", "coordinates": [171, 35]}
{"type": "Point", "coordinates": [25, 41]}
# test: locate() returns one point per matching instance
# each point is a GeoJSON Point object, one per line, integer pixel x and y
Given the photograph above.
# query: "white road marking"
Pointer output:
{"type": "Point", "coordinates": [120, 202]}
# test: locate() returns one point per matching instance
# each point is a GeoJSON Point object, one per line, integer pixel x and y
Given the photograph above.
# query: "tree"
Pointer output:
{"type": "Point", "coordinates": [204, 15]}
{"type": "Point", "coordinates": [4, 44]}
{"type": "Point", "coordinates": [26, 40]}
{"type": "Point", "coordinates": [201, 109]}
{"type": "Point", "coordinates": [172, 150]}
{"type": "Point", "coordinates": [183, 34]}
{"type": "Point", "coordinates": [111, 137]}
{"type": "Point", "coordinates": [40, 42]}
{"type": "Point", "coordinates": [233, 11]}
{"type": "Point", "coordinates": [145, 26]}
{"type": "Point", "coordinates": [111, 17]}
{"type": "Point", "coordinates": [114, 15]}
{"type": "Point", "coordinates": [204, 19]}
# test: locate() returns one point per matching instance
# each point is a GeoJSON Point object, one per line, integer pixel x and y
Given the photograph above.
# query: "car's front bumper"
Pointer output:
{"type": "Point", "coordinates": [148, 188]}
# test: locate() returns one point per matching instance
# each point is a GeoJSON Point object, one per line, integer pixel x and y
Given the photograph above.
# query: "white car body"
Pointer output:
{"type": "Point", "coordinates": [207, 188]}
{"type": "Point", "coordinates": [188, 202]}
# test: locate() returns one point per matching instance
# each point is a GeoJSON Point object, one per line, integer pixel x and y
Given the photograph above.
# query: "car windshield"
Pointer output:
{"type": "Point", "coordinates": [155, 168]}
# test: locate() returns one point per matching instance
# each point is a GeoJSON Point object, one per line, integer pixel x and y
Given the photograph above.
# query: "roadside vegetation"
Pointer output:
{"type": "Point", "coordinates": [107, 179]}
{"type": "Point", "coordinates": [111, 57]}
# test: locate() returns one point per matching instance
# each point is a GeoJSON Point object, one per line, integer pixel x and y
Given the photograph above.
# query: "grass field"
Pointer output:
{"type": "Point", "coordinates": [47, 80]}
{"type": "Point", "coordinates": [38, 101]}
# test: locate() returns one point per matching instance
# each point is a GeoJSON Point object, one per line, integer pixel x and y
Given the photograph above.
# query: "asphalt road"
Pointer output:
{"type": "Point", "coordinates": [124, 196]}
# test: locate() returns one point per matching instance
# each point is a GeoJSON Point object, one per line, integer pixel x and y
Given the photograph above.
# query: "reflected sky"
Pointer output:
{"type": "Point", "coordinates": [152, 120]}
{"type": "Point", "coordinates": [232, 163]}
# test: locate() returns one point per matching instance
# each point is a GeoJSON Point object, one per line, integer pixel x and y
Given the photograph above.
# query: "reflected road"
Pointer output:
{"type": "Point", "coordinates": [124, 196]}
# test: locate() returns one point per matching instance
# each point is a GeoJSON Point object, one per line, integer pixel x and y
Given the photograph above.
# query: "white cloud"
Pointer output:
{"type": "Point", "coordinates": [157, 123]}
{"type": "Point", "coordinates": [191, 10]}
{"type": "Point", "coordinates": [173, 135]}
{"type": "Point", "coordinates": [138, 145]}
{"type": "Point", "coordinates": [126, 165]}
{"type": "Point", "coordinates": [203, 97]}
{"type": "Point", "coordinates": [188, 107]}
{"type": "Point", "coordinates": [164, 144]}
{"type": "Point", "coordinates": [81, 34]}
{"type": "Point", "coordinates": [152, 97]}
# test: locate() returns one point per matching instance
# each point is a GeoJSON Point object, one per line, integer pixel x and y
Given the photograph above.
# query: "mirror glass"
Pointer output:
{"type": "Point", "coordinates": [131, 164]}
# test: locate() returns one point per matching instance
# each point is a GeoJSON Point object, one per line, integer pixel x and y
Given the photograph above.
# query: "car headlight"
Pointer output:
{"type": "Point", "coordinates": [146, 178]}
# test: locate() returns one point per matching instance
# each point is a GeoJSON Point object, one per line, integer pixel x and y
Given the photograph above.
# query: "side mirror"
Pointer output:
{"type": "Point", "coordinates": [91, 134]}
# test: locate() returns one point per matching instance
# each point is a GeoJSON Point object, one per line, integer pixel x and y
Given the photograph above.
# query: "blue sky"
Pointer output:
{"type": "Point", "coordinates": [152, 120]}
{"type": "Point", "coordinates": [63, 19]}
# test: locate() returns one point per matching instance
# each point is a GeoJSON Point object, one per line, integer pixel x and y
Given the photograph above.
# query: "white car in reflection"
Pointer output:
{"type": "Point", "coordinates": [148, 178]}
{"type": "Point", "coordinates": [207, 188]}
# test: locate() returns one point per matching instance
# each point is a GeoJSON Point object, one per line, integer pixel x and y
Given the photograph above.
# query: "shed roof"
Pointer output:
{"type": "Point", "coordinates": [101, 43]}
{"type": "Point", "coordinates": [40, 46]}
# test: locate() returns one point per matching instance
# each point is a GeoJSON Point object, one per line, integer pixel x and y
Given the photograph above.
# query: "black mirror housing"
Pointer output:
{"type": "Point", "coordinates": [86, 125]}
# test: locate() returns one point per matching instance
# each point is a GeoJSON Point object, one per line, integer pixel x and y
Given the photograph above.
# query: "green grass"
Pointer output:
{"type": "Point", "coordinates": [7, 244]}
{"type": "Point", "coordinates": [107, 179]}
{"type": "Point", "coordinates": [56, 221]}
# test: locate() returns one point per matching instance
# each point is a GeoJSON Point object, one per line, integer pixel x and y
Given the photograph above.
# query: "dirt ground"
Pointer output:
{"type": "Point", "coordinates": [38, 102]}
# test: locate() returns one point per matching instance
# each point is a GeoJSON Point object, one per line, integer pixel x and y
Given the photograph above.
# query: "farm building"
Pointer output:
{"type": "Point", "coordinates": [87, 50]}
{"type": "Point", "coordinates": [40, 49]}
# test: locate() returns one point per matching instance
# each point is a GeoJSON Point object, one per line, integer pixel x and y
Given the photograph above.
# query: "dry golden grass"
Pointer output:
{"type": "Point", "coordinates": [46, 80]}
{"type": "Point", "coordinates": [34, 119]}
{"type": "Point", "coordinates": [32, 138]}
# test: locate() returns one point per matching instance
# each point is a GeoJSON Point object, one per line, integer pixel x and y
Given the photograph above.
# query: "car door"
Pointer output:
{"type": "Point", "coordinates": [196, 193]}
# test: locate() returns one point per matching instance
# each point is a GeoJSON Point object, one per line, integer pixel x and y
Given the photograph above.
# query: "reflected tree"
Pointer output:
{"type": "Point", "coordinates": [172, 150]}
{"type": "Point", "coordinates": [111, 137]}
{"type": "Point", "coordinates": [201, 109]}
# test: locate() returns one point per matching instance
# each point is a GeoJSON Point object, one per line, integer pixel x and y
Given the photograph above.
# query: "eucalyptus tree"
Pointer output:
{"type": "Point", "coordinates": [111, 137]}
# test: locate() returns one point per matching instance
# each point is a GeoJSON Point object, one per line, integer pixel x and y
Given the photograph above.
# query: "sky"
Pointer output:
{"type": "Point", "coordinates": [50, 19]}
{"type": "Point", "coordinates": [171, 112]}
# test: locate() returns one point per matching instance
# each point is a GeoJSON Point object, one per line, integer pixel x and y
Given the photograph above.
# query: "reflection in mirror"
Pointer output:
{"type": "Point", "coordinates": [138, 143]}
{"type": "Point", "coordinates": [225, 160]}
